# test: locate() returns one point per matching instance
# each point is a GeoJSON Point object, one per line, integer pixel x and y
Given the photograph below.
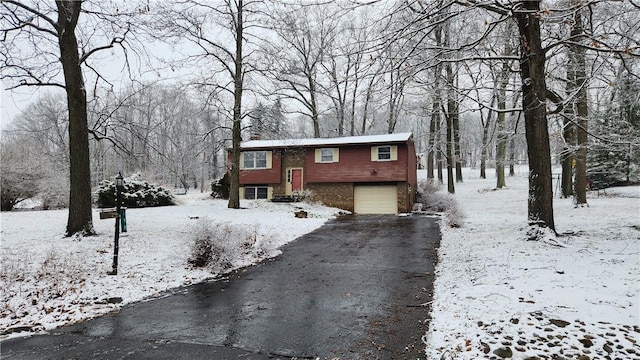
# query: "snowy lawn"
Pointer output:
{"type": "Point", "coordinates": [48, 280]}
{"type": "Point", "coordinates": [497, 294]}
{"type": "Point", "coordinates": [494, 291]}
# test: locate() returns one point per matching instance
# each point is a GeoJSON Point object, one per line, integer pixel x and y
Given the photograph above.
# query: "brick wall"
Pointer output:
{"type": "Point", "coordinates": [338, 195]}
{"type": "Point", "coordinates": [405, 197]}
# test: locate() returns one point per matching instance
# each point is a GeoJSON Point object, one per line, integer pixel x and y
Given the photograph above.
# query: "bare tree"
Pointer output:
{"type": "Point", "coordinates": [222, 55]}
{"type": "Point", "coordinates": [305, 35]}
{"type": "Point", "coordinates": [49, 46]}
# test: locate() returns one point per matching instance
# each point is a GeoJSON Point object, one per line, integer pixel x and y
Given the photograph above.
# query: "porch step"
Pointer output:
{"type": "Point", "coordinates": [285, 198]}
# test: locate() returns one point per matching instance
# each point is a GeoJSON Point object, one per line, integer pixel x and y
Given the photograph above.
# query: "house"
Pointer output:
{"type": "Point", "coordinates": [373, 174]}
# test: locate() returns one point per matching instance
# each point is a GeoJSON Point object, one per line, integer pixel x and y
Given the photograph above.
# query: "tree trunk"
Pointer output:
{"type": "Point", "coordinates": [439, 153]}
{"type": "Point", "coordinates": [365, 110]}
{"type": "Point", "coordinates": [582, 111]}
{"type": "Point", "coordinates": [80, 211]}
{"type": "Point", "coordinates": [450, 184]}
{"type": "Point", "coordinates": [451, 108]}
{"type": "Point", "coordinates": [501, 143]}
{"type": "Point", "coordinates": [512, 142]}
{"type": "Point", "coordinates": [434, 126]}
{"type": "Point", "coordinates": [234, 178]}
{"type": "Point", "coordinates": [501, 140]}
{"type": "Point", "coordinates": [568, 134]}
{"type": "Point", "coordinates": [432, 142]}
{"type": "Point", "coordinates": [456, 141]}
{"type": "Point", "coordinates": [485, 143]}
{"type": "Point", "coordinates": [532, 72]}
{"type": "Point", "coordinates": [315, 117]}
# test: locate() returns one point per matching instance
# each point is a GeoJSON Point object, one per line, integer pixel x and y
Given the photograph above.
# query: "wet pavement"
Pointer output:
{"type": "Point", "coordinates": [357, 288]}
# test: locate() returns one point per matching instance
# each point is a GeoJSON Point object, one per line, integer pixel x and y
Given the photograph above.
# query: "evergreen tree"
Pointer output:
{"type": "Point", "coordinates": [615, 155]}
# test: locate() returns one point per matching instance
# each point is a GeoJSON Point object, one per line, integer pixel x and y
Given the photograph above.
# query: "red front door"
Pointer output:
{"type": "Point", "coordinates": [296, 180]}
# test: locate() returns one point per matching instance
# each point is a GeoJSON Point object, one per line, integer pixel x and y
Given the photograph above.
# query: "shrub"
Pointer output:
{"type": "Point", "coordinates": [218, 246]}
{"type": "Point", "coordinates": [220, 187]}
{"type": "Point", "coordinates": [135, 194]}
{"type": "Point", "coordinates": [16, 187]}
{"type": "Point", "coordinates": [54, 192]}
{"type": "Point", "coordinates": [434, 200]}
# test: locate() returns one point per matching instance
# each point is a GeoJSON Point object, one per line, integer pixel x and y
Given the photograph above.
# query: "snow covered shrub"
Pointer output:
{"type": "Point", "coordinates": [54, 192]}
{"type": "Point", "coordinates": [136, 194]}
{"type": "Point", "coordinates": [220, 188]}
{"type": "Point", "coordinates": [16, 187]}
{"type": "Point", "coordinates": [307, 196]}
{"type": "Point", "coordinates": [19, 179]}
{"type": "Point", "coordinates": [219, 246]}
{"type": "Point", "coordinates": [434, 200]}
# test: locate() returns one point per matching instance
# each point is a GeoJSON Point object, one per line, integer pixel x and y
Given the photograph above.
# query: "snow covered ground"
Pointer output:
{"type": "Point", "coordinates": [493, 291]}
{"type": "Point", "coordinates": [48, 280]}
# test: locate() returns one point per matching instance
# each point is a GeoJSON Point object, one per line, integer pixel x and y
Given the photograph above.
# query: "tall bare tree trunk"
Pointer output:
{"type": "Point", "coordinates": [512, 143]}
{"type": "Point", "coordinates": [501, 140]}
{"type": "Point", "coordinates": [582, 111]}
{"type": "Point", "coordinates": [456, 141]}
{"type": "Point", "coordinates": [431, 150]}
{"type": "Point", "coordinates": [485, 141]}
{"type": "Point", "coordinates": [568, 134]}
{"type": "Point", "coordinates": [80, 216]}
{"type": "Point", "coordinates": [365, 110]}
{"type": "Point", "coordinates": [234, 178]}
{"type": "Point", "coordinates": [439, 152]}
{"type": "Point", "coordinates": [451, 109]}
{"type": "Point", "coordinates": [532, 72]}
{"type": "Point", "coordinates": [434, 131]}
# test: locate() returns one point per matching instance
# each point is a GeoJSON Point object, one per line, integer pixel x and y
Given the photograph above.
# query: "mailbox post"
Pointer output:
{"type": "Point", "coordinates": [119, 186]}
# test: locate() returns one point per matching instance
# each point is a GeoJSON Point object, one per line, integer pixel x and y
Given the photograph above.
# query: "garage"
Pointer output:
{"type": "Point", "coordinates": [375, 199]}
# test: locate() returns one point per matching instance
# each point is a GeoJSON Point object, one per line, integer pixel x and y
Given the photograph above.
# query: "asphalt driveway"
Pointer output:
{"type": "Point", "coordinates": [357, 288]}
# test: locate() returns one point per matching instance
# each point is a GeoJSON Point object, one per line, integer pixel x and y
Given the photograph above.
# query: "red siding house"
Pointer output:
{"type": "Point", "coordinates": [364, 174]}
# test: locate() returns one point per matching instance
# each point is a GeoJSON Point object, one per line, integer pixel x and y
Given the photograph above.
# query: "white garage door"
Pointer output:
{"type": "Point", "coordinates": [379, 199]}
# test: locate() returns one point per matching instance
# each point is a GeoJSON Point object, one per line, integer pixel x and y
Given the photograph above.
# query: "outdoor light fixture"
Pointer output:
{"type": "Point", "coordinates": [119, 181]}
{"type": "Point", "coordinates": [119, 187]}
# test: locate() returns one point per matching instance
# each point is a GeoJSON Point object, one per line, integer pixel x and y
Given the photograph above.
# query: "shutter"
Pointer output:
{"type": "Point", "coordinates": [318, 155]}
{"type": "Point", "coordinates": [394, 152]}
{"type": "Point", "coordinates": [241, 192]}
{"type": "Point", "coordinates": [374, 153]}
{"type": "Point", "coordinates": [336, 154]}
{"type": "Point", "coordinates": [269, 192]}
{"type": "Point", "coordinates": [241, 165]}
{"type": "Point", "coordinates": [269, 159]}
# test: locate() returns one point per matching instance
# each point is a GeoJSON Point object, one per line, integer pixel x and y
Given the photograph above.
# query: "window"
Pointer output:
{"type": "Point", "coordinates": [255, 192]}
{"type": "Point", "coordinates": [384, 152]}
{"type": "Point", "coordinates": [254, 160]}
{"type": "Point", "coordinates": [327, 155]}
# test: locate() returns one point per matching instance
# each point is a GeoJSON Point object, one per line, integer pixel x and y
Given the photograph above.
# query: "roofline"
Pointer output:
{"type": "Point", "coordinates": [322, 142]}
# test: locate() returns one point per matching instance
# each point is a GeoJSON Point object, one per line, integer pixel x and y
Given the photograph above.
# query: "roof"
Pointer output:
{"type": "Point", "coordinates": [315, 142]}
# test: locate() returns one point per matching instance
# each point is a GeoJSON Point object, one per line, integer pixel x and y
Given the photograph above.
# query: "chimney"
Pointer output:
{"type": "Point", "coordinates": [255, 137]}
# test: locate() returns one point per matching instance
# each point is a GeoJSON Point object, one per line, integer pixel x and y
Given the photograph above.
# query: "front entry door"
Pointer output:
{"type": "Point", "coordinates": [294, 181]}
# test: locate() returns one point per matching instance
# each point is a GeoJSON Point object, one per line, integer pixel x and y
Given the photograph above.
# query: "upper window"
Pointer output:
{"type": "Point", "coordinates": [255, 159]}
{"type": "Point", "coordinates": [327, 155]}
{"type": "Point", "coordinates": [384, 153]}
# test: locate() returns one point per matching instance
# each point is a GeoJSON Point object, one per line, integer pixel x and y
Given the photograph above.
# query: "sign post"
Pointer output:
{"type": "Point", "coordinates": [119, 186]}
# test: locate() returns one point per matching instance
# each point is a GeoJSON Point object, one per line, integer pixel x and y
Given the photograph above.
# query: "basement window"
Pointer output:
{"type": "Point", "coordinates": [255, 192]}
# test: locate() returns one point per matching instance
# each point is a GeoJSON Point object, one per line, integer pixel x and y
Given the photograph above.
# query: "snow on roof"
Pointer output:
{"type": "Point", "coordinates": [347, 140]}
